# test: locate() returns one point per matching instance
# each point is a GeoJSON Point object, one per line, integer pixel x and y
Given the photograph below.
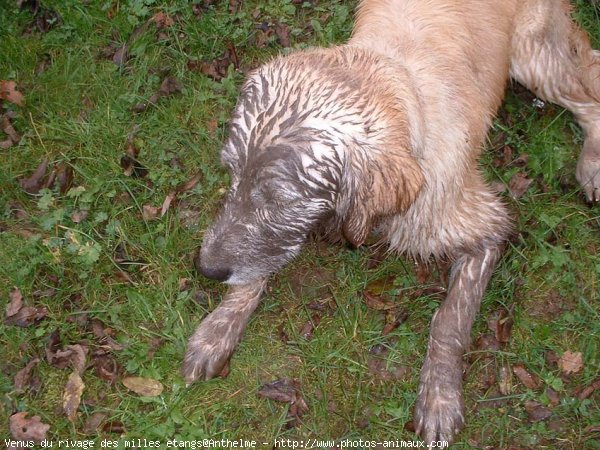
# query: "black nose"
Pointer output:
{"type": "Point", "coordinates": [215, 273]}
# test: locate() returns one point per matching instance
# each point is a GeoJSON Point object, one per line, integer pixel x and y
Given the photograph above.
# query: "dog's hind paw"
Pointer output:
{"type": "Point", "coordinates": [438, 413]}
{"type": "Point", "coordinates": [588, 170]}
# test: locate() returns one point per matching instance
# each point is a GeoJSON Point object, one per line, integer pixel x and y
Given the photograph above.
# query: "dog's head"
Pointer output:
{"type": "Point", "coordinates": [301, 149]}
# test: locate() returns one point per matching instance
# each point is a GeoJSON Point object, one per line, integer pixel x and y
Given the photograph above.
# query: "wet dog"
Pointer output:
{"type": "Point", "coordinates": [383, 134]}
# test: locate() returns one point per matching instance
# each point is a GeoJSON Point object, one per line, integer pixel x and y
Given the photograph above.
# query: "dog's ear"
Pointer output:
{"type": "Point", "coordinates": [376, 183]}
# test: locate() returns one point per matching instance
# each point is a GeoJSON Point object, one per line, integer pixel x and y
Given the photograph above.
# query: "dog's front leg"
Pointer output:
{"type": "Point", "coordinates": [214, 341]}
{"type": "Point", "coordinates": [439, 409]}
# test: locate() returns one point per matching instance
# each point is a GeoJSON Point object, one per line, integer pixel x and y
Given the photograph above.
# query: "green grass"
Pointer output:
{"type": "Point", "coordinates": [78, 113]}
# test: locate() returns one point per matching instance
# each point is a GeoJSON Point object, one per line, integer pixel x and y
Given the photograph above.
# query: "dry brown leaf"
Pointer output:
{"type": "Point", "coordinates": [190, 184]}
{"type": "Point", "coordinates": [504, 380]}
{"type": "Point", "coordinates": [150, 212]}
{"type": "Point", "coordinates": [501, 323]}
{"type": "Point", "coordinates": [552, 396]}
{"type": "Point", "coordinates": [28, 429]}
{"type": "Point", "coordinates": [589, 390]}
{"type": "Point", "coordinates": [79, 215]}
{"type": "Point", "coordinates": [393, 319]}
{"type": "Point", "coordinates": [146, 387]}
{"type": "Point", "coordinates": [15, 303]}
{"type": "Point", "coordinates": [570, 362]}
{"type": "Point", "coordinates": [536, 411]}
{"type": "Point", "coordinates": [283, 34]}
{"type": "Point", "coordinates": [27, 316]}
{"type": "Point", "coordinates": [7, 127]}
{"type": "Point", "coordinates": [23, 377]}
{"type": "Point", "coordinates": [528, 379]}
{"type": "Point", "coordinates": [106, 366]}
{"type": "Point", "coordinates": [286, 391]}
{"type": "Point", "coordinates": [9, 92]}
{"type": "Point", "coordinates": [64, 176]}
{"type": "Point", "coordinates": [93, 422]}
{"type": "Point", "coordinates": [162, 20]}
{"type": "Point", "coordinates": [72, 395]}
{"type": "Point", "coordinates": [35, 182]}
{"type": "Point", "coordinates": [379, 368]}
{"type": "Point", "coordinates": [309, 327]}
{"type": "Point", "coordinates": [518, 185]}
{"type": "Point", "coordinates": [377, 302]}
{"type": "Point", "coordinates": [132, 167]}
{"type": "Point", "coordinates": [74, 355]}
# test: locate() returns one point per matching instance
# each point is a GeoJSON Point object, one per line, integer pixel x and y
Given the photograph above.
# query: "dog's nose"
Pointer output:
{"type": "Point", "coordinates": [218, 273]}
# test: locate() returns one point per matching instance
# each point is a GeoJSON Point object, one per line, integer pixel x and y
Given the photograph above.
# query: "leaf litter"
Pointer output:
{"type": "Point", "coordinates": [24, 428]}
{"type": "Point", "coordinates": [22, 316]}
{"type": "Point", "coordinates": [286, 390]}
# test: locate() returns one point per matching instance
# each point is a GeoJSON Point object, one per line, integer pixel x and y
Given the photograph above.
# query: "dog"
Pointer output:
{"type": "Point", "coordinates": [383, 135]}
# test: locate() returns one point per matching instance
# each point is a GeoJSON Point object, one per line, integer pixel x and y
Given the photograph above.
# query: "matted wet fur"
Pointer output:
{"type": "Point", "coordinates": [383, 135]}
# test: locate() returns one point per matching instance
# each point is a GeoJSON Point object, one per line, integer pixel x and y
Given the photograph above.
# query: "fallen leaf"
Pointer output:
{"type": "Point", "coordinates": [162, 20]}
{"type": "Point", "coordinates": [528, 380]}
{"type": "Point", "coordinates": [146, 387]}
{"type": "Point", "coordinates": [114, 426]}
{"type": "Point", "coordinates": [286, 391]}
{"type": "Point", "coordinates": [106, 366]}
{"type": "Point", "coordinates": [169, 86]}
{"type": "Point", "coordinates": [589, 390]}
{"type": "Point", "coordinates": [379, 368]}
{"type": "Point", "coordinates": [15, 303]}
{"type": "Point", "coordinates": [132, 167]}
{"type": "Point", "coordinates": [570, 362]}
{"type": "Point", "coordinates": [190, 184]}
{"type": "Point", "coordinates": [591, 429]}
{"type": "Point", "coordinates": [487, 343]}
{"type": "Point", "coordinates": [504, 380]}
{"type": "Point", "coordinates": [218, 67]}
{"type": "Point", "coordinates": [93, 422]}
{"type": "Point", "coordinates": [74, 355]}
{"type": "Point", "coordinates": [150, 212]}
{"type": "Point", "coordinates": [104, 335]}
{"type": "Point", "coordinates": [9, 130]}
{"type": "Point", "coordinates": [27, 316]}
{"type": "Point", "coordinates": [64, 176]}
{"type": "Point", "coordinates": [536, 411]}
{"type": "Point", "coordinates": [309, 327]}
{"type": "Point", "coordinates": [518, 185]}
{"type": "Point", "coordinates": [9, 92]}
{"type": "Point", "coordinates": [500, 322]}
{"type": "Point", "coordinates": [167, 203]}
{"type": "Point", "coordinates": [35, 182]}
{"type": "Point", "coordinates": [393, 319]}
{"type": "Point", "coordinates": [553, 396]}
{"type": "Point", "coordinates": [283, 34]}
{"type": "Point", "coordinates": [377, 302]}
{"type": "Point", "coordinates": [23, 377]}
{"type": "Point", "coordinates": [234, 6]}
{"type": "Point", "coordinates": [27, 429]}
{"type": "Point", "coordinates": [79, 215]}
{"type": "Point", "coordinates": [72, 395]}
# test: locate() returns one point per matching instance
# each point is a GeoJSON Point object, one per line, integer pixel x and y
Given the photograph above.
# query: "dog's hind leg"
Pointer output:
{"type": "Point", "coordinates": [439, 410]}
{"type": "Point", "coordinates": [553, 57]}
{"type": "Point", "coordinates": [213, 343]}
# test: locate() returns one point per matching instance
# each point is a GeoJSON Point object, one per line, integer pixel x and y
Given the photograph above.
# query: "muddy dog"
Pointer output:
{"type": "Point", "coordinates": [383, 135]}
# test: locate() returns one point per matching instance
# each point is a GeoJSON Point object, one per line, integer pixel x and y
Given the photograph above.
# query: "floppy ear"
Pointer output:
{"type": "Point", "coordinates": [376, 184]}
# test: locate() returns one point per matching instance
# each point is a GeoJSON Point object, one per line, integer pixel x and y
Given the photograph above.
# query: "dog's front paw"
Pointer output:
{"type": "Point", "coordinates": [207, 353]}
{"type": "Point", "coordinates": [439, 412]}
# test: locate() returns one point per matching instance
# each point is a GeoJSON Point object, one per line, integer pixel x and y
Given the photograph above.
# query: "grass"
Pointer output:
{"type": "Point", "coordinates": [78, 113]}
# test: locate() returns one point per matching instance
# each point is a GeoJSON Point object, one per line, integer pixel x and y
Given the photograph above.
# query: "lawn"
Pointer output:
{"type": "Point", "coordinates": [109, 140]}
